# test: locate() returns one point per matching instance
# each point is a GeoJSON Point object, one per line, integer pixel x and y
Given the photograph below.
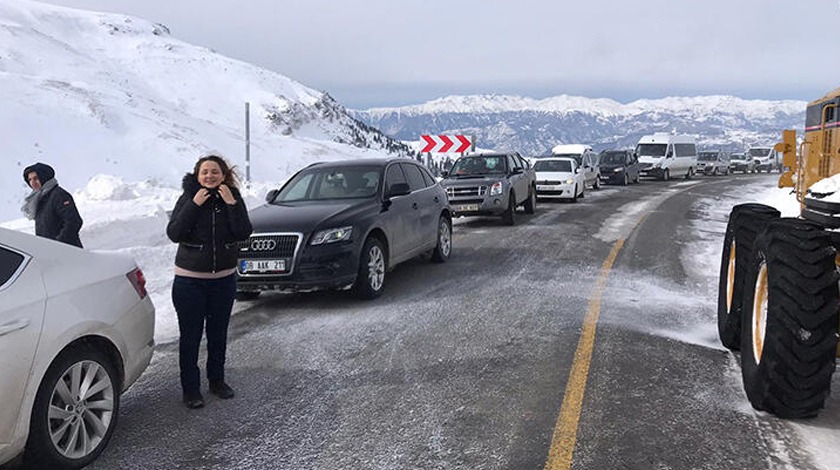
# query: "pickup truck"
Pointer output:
{"type": "Point", "coordinates": [491, 184]}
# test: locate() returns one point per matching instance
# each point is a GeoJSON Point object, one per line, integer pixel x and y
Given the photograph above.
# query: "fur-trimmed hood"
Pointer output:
{"type": "Point", "coordinates": [190, 185]}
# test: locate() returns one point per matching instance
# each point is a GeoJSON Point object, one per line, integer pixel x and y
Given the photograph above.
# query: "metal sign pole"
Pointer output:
{"type": "Point", "coordinates": [248, 143]}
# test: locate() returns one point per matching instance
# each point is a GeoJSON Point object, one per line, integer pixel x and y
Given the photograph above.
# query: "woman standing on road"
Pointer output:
{"type": "Point", "coordinates": [208, 219]}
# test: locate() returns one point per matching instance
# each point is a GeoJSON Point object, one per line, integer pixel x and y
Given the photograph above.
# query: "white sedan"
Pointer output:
{"type": "Point", "coordinates": [559, 177]}
{"type": "Point", "coordinates": [76, 330]}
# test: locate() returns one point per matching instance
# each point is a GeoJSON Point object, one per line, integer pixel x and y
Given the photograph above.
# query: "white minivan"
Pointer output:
{"type": "Point", "coordinates": [586, 158]}
{"type": "Point", "coordinates": [663, 155]}
{"type": "Point", "coordinates": [765, 158]}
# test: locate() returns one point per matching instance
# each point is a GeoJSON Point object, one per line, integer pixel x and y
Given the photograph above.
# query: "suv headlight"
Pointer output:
{"type": "Point", "coordinates": [496, 189]}
{"type": "Point", "coordinates": [331, 235]}
{"type": "Point", "coordinates": [619, 169]}
{"type": "Point", "coordinates": [570, 181]}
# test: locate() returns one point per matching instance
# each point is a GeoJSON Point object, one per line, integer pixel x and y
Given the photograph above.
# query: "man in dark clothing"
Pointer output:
{"type": "Point", "coordinates": [52, 208]}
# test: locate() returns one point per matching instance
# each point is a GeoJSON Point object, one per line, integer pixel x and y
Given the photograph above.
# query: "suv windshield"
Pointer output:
{"type": "Point", "coordinates": [553, 165]}
{"type": "Point", "coordinates": [479, 165]}
{"type": "Point", "coordinates": [737, 156]}
{"type": "Point", "coordinates": [651, 150]}
{"type": "Point", "coordinates": [612, 158]}
{"type": "Point", "coordinates": [707, 156]}
{"type": "Point", "coordinates": [319, 183]}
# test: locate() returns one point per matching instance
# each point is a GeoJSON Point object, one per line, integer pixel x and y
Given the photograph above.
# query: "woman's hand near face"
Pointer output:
{"type": "Point", "coordinates": [227, 196]}
{"type": "Point", "coordinates": [201, 196]}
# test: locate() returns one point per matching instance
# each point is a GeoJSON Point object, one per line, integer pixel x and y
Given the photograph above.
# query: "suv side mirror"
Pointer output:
{"type": "Point", "coordinates": [398, 189]}
{"type": "Point", "coordinates": [271, 195]}
{"type": "Point", "coordinates": [444, 173]}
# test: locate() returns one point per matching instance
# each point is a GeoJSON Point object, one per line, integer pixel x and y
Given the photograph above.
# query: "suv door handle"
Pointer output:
{"type": "Point", "coordinates": [13, 326]}
{"type": "Point", "coordinates": [414, 206]}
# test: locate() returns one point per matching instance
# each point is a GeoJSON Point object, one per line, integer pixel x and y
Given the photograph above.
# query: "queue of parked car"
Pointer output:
{"type": "Point", "coordinates": [340, 225]}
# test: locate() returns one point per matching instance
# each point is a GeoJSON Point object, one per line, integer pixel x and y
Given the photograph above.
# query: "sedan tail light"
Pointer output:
{"type": "Point", "coordinates": [137, 280]}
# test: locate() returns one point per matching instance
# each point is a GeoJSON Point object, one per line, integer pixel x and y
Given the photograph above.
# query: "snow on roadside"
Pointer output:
{"type": "Point", "coordinates": [131, 217]}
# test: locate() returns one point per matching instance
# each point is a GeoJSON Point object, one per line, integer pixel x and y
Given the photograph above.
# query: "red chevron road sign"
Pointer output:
{"type": "Point", "coordinates": [446, 143]}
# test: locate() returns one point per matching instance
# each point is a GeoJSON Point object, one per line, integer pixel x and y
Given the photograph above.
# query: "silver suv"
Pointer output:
{"type": "Point", "coordinates": [491, 184]}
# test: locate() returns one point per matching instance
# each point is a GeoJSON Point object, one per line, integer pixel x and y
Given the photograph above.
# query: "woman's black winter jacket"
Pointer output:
{"type": "Point", "coordinates": [207, 234]}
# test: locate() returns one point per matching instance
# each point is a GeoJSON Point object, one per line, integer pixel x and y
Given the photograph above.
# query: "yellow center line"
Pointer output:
{"type": "Point", "coordinates": [565, 431]}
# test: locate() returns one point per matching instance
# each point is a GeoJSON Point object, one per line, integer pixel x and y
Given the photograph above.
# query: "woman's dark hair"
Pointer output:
{"type": "Point", "coordinates": [231, 178]}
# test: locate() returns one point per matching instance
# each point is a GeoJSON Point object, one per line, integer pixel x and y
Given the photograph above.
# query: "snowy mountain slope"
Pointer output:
{"type": "Point", "coordinates": [93, 93]}
{"type": "Point", "coordinates": [534, 126]}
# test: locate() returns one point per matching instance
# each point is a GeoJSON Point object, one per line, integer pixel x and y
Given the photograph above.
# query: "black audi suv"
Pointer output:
{"type": "Point", "coordinates": [343, 225]}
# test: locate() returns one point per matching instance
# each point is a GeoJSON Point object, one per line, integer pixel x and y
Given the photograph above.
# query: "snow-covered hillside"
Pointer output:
{"type": "Point", "coordinates": [534, 126]}
{"type": "Point", "coordinates": [92, 93]}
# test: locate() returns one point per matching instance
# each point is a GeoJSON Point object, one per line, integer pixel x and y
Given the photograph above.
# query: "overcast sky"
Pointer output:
{"type": "Point", "coordinates": [371, 53]}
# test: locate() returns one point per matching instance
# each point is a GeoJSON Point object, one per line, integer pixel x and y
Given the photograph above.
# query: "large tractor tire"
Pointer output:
{"type": "Point", "coordinates": [745, 221]}
{"type": "Point", "coordinates": [789, 334]}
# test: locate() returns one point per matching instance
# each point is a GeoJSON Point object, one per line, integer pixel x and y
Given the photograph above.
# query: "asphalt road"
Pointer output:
{"type": "Point", "coordinates": [467, 364]}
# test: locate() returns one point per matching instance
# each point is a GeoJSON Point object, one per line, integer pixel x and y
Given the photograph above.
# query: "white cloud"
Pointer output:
{"type": "Point", "coordinates": [602, 48]}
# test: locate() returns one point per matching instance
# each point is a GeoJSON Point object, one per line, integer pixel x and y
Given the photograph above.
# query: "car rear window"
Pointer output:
{"type": "Point", "coordinates": [10, 262]}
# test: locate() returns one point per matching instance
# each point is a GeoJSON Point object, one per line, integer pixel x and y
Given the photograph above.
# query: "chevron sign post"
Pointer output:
{"type": "Point", "coordinates": [446, 143]}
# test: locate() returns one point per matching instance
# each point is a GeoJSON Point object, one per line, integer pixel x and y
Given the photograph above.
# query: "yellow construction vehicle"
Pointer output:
{"type": "Point", "coordinates": [778, 294]}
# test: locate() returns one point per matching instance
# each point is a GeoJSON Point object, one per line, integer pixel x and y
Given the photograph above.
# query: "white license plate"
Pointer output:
{"type": "Point", "coordinates": [548, 187]}
{"type": "Point", "coordinates": [262, 265]}
{"type": "Point", "coordinates": [465, 207]}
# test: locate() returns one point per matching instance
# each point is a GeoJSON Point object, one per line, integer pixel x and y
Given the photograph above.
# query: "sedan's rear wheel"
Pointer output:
{"type": "Point", "coordinates": [443, 248]}
{"type": "Point", "coordinates": [371, 277]}
{"type": "Point", "coordinates": [75, 410]}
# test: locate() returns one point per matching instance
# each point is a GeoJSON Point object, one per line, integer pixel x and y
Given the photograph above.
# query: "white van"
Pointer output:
{"type": "Point", "coordinates": [586, 159]}
{"type": "Point", "coordinates": [664, 155]}
{"type": "Point", "coordinates": [765, 158]}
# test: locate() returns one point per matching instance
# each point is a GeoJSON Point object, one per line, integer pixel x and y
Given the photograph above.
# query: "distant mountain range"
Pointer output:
{"type": "Point", "coordinates": [534, 126]}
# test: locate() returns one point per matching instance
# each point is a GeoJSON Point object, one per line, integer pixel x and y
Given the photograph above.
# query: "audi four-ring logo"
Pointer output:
{"type": "Point", "coordinates": [263, 245]}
